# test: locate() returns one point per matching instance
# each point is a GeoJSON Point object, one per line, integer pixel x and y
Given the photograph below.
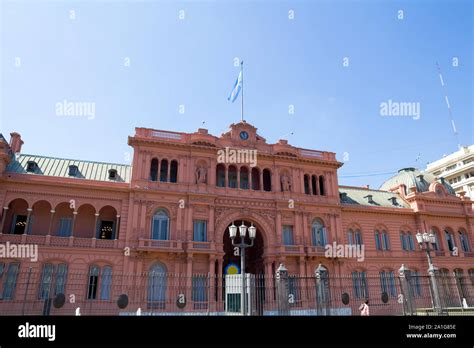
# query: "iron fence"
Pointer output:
{"type": "Point", "coordinates": [38, 293]}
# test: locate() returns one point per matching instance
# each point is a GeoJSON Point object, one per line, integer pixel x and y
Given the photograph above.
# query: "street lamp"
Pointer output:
{"type": "Point", "coordinates": [242, 245]}
{"type": "Point", "coordinates": [425, 239]}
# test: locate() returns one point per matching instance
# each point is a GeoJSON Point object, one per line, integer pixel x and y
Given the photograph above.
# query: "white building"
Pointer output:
{"type": "Point", "coordinates": [457, 169]}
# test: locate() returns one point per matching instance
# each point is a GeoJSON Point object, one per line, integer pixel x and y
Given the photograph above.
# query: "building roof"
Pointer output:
{"type": "Point", "coordinates": [413, 177]}
{"type": "Point", "coordinates": [59, 167]}
{"type": "Point", "coordinates": [373, 198]}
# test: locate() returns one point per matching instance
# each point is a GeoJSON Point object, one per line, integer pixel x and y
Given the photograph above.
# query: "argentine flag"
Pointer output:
{"type": "Point", "coordinates": [237, 87]}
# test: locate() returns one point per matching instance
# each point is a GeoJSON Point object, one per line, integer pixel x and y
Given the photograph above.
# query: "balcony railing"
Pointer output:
{"type": "Point", "coordinates": [200, 246]}
{"type": "Point", "coordinates": [292, 249]}
{"type": "Point", "coordinates": [315, 250]}
{"type": "Point", "coordinates": [155, 244]}
{"type": "Point", "coordinates": [57, 241]}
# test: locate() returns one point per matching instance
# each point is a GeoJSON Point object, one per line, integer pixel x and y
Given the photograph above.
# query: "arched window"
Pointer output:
{"type": "Point", "coordinates": [387, 283]}
{"type": "Point", "coordinates": [160, 225]}
{"type": "Point", "coordinates": [267, 180]}
{"type": "Point", "coordinates": [164, 171]}
{"type": "Point", "coordinates": [154, 170]}
{"type": "Point", "coordinates": [174, 171]}
{"type": "Point", "coordinates": [255, 179]}
{"type": "Point", "coordinates": [157, 284]}
{"type": "Point", "coordinates": [314, 183]}
{"type": "Point", "coordinates": [318, 233]}
{"type": "Point", "coordinates": [354, 237]}
{"type": "Point", "coordinates": [306, 184]}
{"type": "Point", "coordinates": [322, 189]}
{"type": "Point", "coordinates": [464, 241]}
{"type": "Point", "coordinates": [232, 177]}
{"type": "Point", "coordinates": [220, 175]}
{"type": "Point", "coordinates": [244, 178]}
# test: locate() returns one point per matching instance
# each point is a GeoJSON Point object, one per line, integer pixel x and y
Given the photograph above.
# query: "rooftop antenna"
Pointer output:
{"type": "Point", "coordinates": [450, 114]}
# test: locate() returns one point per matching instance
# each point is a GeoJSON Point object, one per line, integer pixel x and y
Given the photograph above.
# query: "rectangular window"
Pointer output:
{"type": "Point", "coordinates": [378, 243]}
{"type": "Point", "coordinates": [93, 282]}
{"type": "Point", "coordinates": [358, 238]}
{"type": "Point", "coordinates": [450, 241]}
{"type": "Point", "coordinates": [9, 284]}
{"type": "Point", "coordinates": [403, 241]}
{"type": "Point", "coordinates": [386, 241]}
{"type": "Point", "coordinates": [46, 281]}
{"type": "Point", "coordinates": [199, 289]}
{"type": "Point", "coordinates": [65, 227]}
{"type": "Point", "coordinates": [61, 277]}
{"type": "Point", "coordinates": [359, 283]}
{"type": "Point", "coordinates": [200, 231]}
{"type": "Point", "coordinates": [387, 283]}
{"type": "Point", "coordinates": [464, 242]}
{"type": "Point", "coordinates": [106, 282]}
{"type": "Point", "coordinates": [411, 242]}
{"type": "Point", "coordinates": [288, 235]}
{"type": "Point", "coordinates": [293, 289]}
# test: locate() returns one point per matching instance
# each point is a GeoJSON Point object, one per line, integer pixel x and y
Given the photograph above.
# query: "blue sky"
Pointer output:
{"type": "Point", "coordinates": [287, 62]}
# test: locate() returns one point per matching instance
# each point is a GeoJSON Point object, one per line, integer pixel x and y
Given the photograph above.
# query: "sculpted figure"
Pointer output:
{"type": "Point", "coordinates": [201, 175]}
{"type": "Point", "coordinates": [285, 183]}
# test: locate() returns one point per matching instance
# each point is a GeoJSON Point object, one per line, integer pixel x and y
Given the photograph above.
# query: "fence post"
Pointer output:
{"type": "Point", "coordinates": [433, 272]}
{"type": "Point", "coordinates": [282, 290]}
{"type": "Point", "coordinates": [321, 274]}
{"type": "Point", "coordinates": [406, 291]}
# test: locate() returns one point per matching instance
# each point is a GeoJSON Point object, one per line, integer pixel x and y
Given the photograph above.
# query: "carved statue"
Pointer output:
{"type": "Point", "coordinates": [285, 183]}
{"type": "Point", "coordinates": [201, 175]}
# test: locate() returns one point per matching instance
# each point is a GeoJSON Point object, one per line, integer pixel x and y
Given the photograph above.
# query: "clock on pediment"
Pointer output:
{"type": "Point", "coordinates": [244, 135]}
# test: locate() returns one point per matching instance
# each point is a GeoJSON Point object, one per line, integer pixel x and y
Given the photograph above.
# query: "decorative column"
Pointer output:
{"type": "Point", "coordinates": [168, 174]}
{"type": "Point", "coordinates": [261, 180]}
{"type": "Point", "coordinates": [52, 211]}
{"type": "Point", "coordinates": [220, 275]}
{"type": "Point", "coordinates": [250, 178]}
{"type": "Point", "coordinates": [278, 236]}
{"type": "Point", "coordinates": [96, 232]}
{"type": "Point", "coordinates": [211, 228]}
{"type": "Point", "coordinates": [189, 279]}
{"type": "Point", "coordinates": [226, 183]}
{"type": "Point", "coordinates": [28, 217]}
{"type": "Point", "coordinates": [305, 229]}
{"type": "Point", "coordinates": [212, 289]}
{"type": "Point", "coordinates": [238, 177]}
{"type": "Point", "coordinates": [189, 224]}
{"type": "Point", "coordinates": [117, 228]}
{"type": "Point", "coordinates": [146, 174]}
{"type": "Point", "coordinates": [4, 215]}
{"type": "Point", "coordinates": [318, 191]}
{"type": "Point", "coordinates": [73, 227]}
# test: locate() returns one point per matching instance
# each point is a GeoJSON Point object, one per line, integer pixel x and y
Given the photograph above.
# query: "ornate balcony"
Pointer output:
{"type": "Point", "coordinates": [292, 250]}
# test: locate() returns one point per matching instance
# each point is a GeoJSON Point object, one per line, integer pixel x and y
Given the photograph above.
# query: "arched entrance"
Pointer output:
{"type": "Point", "coordinates": [253, 256]}
{"type": "Point", "coordinates": [254, 265]}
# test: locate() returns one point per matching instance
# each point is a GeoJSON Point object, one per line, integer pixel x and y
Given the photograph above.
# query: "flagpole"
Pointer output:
{"type": "Point", "coordinates": [242, 101]}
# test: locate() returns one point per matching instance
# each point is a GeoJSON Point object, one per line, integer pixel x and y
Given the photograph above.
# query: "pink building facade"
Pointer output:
{"type": "Point", "coordinates": [170, 210]}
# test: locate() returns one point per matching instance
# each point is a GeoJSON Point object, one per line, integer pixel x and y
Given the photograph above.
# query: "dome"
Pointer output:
{"type": "Point", "coordinates": [413, 177]}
